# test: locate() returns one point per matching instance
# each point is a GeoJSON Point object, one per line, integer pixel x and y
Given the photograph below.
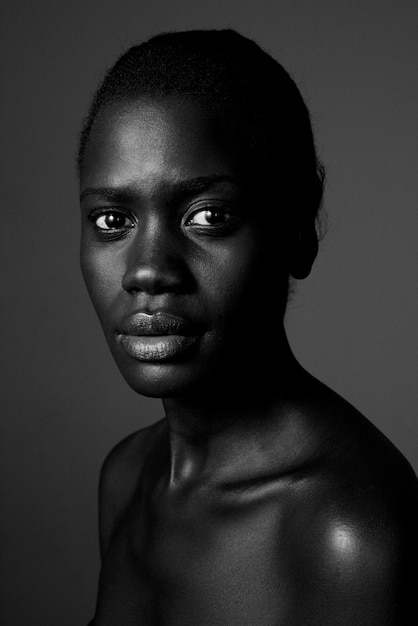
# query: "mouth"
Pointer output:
{"type": "Point", "coordinates": [157, 337]}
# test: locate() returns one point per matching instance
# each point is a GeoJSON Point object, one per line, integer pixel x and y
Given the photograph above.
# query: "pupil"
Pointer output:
{"type": "Point", "coordinates": [114, 221]}
{"type": "Point", "coordinates": [213, 216]}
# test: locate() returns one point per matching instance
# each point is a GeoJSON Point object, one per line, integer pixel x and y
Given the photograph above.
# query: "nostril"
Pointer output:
{"type": "Point", "coordinates": [150, 280]}
{"type": "Point", "coordinates": [174, 277]}
{"type": "Point", "coordinates": [156, 261]}
{"type": "Point", "coordinates": [133, 290]}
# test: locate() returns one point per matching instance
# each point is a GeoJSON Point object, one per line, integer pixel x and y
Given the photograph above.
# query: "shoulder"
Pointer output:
{"type": "Point", "coordinates": [359, 462]}
{"type": "Point", "coordinates": [359, 538]}
{"type": "Point", "coordinates": [119, 478]}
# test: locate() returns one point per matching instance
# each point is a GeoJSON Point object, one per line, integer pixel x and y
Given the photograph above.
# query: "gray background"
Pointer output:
{"type": "Point", "coordinates": [353, 323]}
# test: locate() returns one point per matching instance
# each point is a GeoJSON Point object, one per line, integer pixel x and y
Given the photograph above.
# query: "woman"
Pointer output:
{"type": "Point", "coordinates": [262, 498]}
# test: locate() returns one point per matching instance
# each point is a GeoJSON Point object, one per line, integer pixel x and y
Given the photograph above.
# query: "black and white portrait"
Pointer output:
{"type": "Point", "coordinates": [209, 312]}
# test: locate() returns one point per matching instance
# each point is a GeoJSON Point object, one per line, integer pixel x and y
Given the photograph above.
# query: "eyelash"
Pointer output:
{"type": "Point", "coordinates": [111, 233]}
{"type": "Point", "coordinates": [231, 222]}
{"type": "Point", "coordinates": [96, 215]}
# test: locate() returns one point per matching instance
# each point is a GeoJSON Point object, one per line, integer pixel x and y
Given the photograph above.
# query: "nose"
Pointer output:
{"type": "Point", "coordinates": [156, 261]}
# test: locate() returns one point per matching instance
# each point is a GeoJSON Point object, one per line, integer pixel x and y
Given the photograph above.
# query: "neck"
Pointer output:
{"type": "Point", "coordinates": [213, 433]}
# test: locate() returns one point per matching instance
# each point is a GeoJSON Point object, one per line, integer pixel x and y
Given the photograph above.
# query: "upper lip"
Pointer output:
{"type": "Point", "coordinates": [158, 323]}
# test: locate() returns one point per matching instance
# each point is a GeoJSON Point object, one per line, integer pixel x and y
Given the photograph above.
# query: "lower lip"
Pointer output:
{"type": "Point", "coordinates": [155, 347]}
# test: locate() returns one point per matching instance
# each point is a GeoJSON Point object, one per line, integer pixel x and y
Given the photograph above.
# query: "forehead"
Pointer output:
{"type": "Point", "coordinates": [173, 138]}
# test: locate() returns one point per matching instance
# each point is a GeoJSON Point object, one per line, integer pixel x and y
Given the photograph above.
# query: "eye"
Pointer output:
{"type": "Point", "coordinates": [209, 216]}
{"type": "Point", "coordinates": [111, 220]}
{"type": "Point", "coordinates": [213, 218]}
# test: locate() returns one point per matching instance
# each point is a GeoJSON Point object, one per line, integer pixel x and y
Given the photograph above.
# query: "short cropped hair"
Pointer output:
{"type": "Point", "coordinates": [231, 75]}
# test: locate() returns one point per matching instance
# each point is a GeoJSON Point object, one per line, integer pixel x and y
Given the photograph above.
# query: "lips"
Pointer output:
{"type": "Point", "coordinates": [144, 324]}
{"type": "Point", "coordinates": [156, 337]}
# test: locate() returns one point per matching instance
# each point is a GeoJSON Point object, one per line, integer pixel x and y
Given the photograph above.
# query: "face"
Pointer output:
{"type": "Point", "coordinates": [186, 279]}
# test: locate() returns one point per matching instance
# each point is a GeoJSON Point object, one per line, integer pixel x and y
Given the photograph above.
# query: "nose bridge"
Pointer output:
{"type": "Point", "coordinates": [154, 261]}
{"type": "Point", "coordinates": [151, 242]}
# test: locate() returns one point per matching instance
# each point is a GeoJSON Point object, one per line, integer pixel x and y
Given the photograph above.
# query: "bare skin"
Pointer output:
{"type": "Point", "coordinates": [262, 498]}
{"type": "Point", "coordinates": [310, 520]}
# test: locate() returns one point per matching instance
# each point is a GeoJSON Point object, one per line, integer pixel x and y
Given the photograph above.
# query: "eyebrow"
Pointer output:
{"type": "Point", "coordinates": [179, 189]}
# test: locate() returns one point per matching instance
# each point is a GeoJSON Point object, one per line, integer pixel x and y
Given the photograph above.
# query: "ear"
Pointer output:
{"type": "Point", "coordinates": [303, 252]}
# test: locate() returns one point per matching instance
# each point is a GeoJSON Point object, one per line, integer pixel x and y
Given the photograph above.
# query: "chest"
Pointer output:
{"type": "Point", "coordinates": [202, 561]}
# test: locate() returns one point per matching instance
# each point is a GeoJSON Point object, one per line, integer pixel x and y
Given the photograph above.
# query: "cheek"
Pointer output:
{"type": "Point", "coordinates": [102, 276]}
{"type": "Point", "coordinates": [243, 276]}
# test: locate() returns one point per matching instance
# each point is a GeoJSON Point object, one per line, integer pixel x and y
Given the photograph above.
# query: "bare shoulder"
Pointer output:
{"type": "Point", "coordinates": [358, 532]}
{"type": "Point", "coordinates": [119, 477]}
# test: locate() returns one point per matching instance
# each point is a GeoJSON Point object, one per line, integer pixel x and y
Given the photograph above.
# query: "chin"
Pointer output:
{"type": "Point", "coordinates": [156, 380]}
{"type": "Point", "coordinates": [196, 371]}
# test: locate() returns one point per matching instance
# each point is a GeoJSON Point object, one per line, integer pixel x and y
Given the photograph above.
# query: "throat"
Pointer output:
{"type": "Point", "coordinates": [188, 460]}
{"type": "Point", "coordinates": [227, 440]}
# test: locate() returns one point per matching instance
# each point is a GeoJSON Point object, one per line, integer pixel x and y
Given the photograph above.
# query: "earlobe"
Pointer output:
{"type": "Point", "coordinates": [303, 253]}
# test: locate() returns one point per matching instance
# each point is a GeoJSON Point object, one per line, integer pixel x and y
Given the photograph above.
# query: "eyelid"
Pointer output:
{"type": "Point", "coordinates": [96, 213]}
{"type": "Point", "coordinates": [205, 205]}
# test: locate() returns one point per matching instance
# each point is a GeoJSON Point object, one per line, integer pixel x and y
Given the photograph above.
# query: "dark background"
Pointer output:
{"type": "Point", "coordinates": [353, 323]}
